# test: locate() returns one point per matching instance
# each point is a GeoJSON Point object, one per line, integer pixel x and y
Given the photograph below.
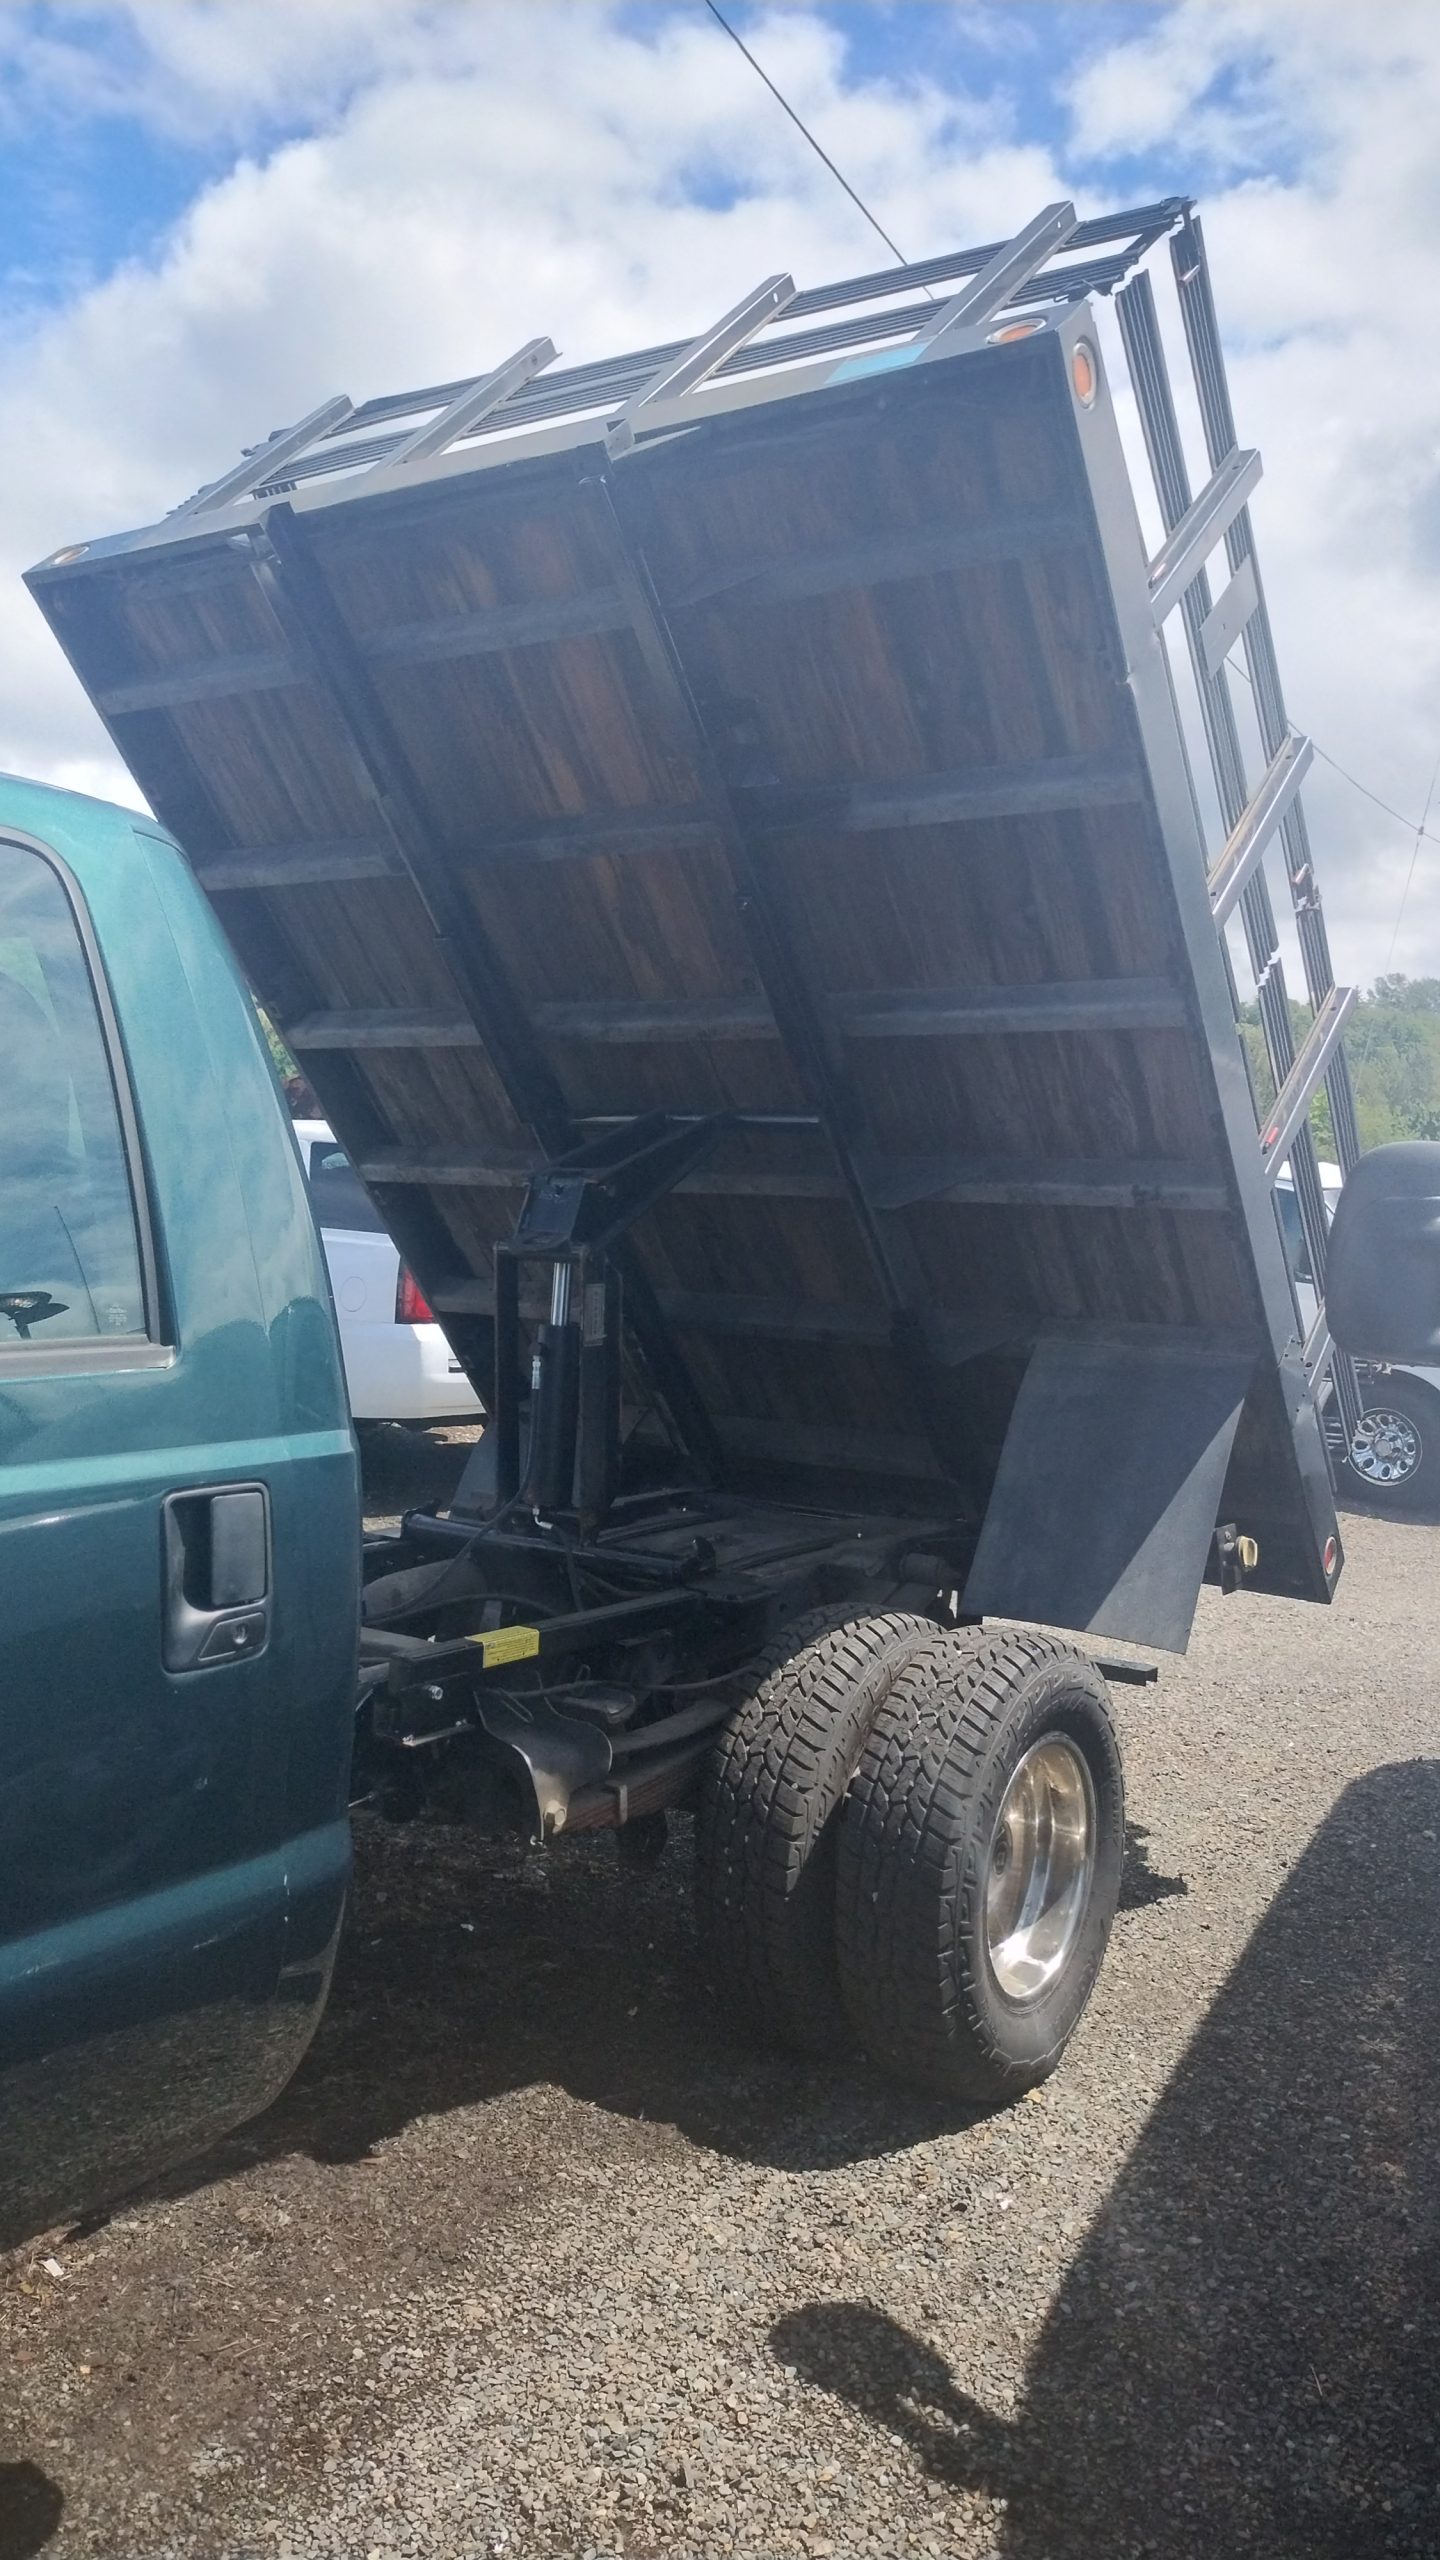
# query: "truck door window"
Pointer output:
{"type": "Point", "coordinates": [69, 1253]}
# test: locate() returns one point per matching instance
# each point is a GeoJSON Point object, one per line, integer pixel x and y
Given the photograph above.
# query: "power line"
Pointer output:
{"type": "Point", "coordinates": [1419, 826]}
{"type": "Point", "coordinates": [1414, 858]}
{"type": "Point", "coordinates": [1415, 826]}
{"type": "Point", "coordinates": [1423, 834]}
{"type": "Point", "coordinates": [801, 126]}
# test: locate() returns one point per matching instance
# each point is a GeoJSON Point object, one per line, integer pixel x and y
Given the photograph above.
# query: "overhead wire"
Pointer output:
{"type": "Point", "coordinates": [1422, 833]}
{"type": "Point", "coordinates": [817, 147]}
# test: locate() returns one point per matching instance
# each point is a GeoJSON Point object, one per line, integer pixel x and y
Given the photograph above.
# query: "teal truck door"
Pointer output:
{"type": "Point", "coordinates": [172, 1833]}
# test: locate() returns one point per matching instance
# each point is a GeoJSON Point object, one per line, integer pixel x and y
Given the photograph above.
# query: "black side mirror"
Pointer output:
{"type": "Point", "coordinates": [1382, 1282]}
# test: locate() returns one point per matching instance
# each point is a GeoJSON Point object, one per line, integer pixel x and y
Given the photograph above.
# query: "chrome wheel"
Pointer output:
{"type": "Point", "coordinates": [1042, 1859]}
{"type": "Point", "coordinates": [1387, 1447]}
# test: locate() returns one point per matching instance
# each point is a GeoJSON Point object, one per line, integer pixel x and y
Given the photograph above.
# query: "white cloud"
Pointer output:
{"type": "Point", "coordinates": [1325, 275]}
{"type": "Point", "coordinates": [456, 177]}
{"type": "Point", "coordinates": [494, 173]}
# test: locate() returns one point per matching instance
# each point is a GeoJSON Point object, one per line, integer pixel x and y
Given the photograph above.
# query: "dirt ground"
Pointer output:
{"type": "Point", "coordinates": [534, 2259]}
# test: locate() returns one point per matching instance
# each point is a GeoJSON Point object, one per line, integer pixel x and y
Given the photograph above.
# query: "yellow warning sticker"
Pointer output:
{"type": "Point", "coordinates": [507, 1644]}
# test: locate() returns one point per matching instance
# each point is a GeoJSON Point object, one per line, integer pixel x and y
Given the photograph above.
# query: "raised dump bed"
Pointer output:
{"type": "Point", "coordinates": [716, 829]}
{"type": "Point", "coordinates": [777, 734]}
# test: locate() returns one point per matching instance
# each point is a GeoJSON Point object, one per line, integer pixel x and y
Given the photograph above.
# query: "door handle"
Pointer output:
{"type": "Point", "coordinates": [215, 1564]}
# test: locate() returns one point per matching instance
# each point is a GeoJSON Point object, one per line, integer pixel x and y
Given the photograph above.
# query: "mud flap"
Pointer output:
{"type": "Point", "coordinates": [1108, 1485]}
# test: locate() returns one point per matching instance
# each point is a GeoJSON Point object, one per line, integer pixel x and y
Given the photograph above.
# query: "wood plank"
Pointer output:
{"type": "Point", "coordinates": [1015, 1182]}
{"type": "Point", "coordinates": [931, 1012]}
{"type": "Point", "coordinates": [778, 1319]}
{"type": "Point", "coordinates": [716, 1312]}
{"type": "Point", "coordinates": [692, 1018]}
{"type": "Point", "coordinates": [498, 627]}
{"type": "Point", "coordinates": [299, 865]}
{"type": "Point", "coordinates": [1084, 1004]}
{"type": "Point", "coordinates": [391, 1027]}
{"type": "Point", "coordinates": [678, 828]}
{"type": "Point", "coordinates": [469, 1168]}
{"type": "Point", "coordinates": [490, 1169]}
{"type": "Point", "coordinates": [919, 551]}
{"type": "Point", "coordinates": [1122, 1004]}
{"type": "Point", "coordinates": [935, 799]}
{"type": "Point", "coordinates": [202, 680]}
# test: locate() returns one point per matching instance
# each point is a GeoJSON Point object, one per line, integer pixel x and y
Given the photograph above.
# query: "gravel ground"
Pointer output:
{"type": "Point", "coordinates": [534, 2260]}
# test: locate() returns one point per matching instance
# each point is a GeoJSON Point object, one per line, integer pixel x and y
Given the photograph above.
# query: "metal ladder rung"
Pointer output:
{"type": "Point", "coordinates": [700, 357]}
{"type": "Point", "coordinates": [1247, 841]}
{"type": "Point", "coordinates": [476, 402]}
{"type": "Point", "coordinates": [267, 459]}
{"type": "Point", "coordinates": [1185, 550]}
{"type": "Point", "coordinates": [1293, 1100]}
{"type": "Point", "coordinates": [1000, 278]}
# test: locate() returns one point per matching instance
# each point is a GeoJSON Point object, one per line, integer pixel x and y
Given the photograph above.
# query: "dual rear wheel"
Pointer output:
{"type": "Point", "coordinates": [914, 1837]}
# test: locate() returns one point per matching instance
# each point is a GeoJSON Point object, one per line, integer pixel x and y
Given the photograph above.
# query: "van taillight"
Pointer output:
{"type": "Point", "coordinates": [410, 1305]}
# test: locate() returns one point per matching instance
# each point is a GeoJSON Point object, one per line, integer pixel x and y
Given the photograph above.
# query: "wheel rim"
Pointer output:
{"type": "Point", "coordinates": [1387, 1448]}
{"type": "Point", "coordinates": [1042, 1860]}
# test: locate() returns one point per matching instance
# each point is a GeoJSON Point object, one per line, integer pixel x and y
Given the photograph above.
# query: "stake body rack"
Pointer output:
{"type": "Point", "coordinates": [361, 677]}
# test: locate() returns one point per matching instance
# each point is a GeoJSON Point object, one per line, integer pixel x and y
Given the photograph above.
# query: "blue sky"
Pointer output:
{"type": "Point", "coordinates": [219, 212]}
{"type": "Point", "coordinates": [94, 179]}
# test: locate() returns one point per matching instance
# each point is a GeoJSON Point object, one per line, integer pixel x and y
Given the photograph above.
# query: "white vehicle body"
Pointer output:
{"type": "Point", "coordinates": [1395, 1454]}
{"type": "Point", "coordinates": [396, 1371]}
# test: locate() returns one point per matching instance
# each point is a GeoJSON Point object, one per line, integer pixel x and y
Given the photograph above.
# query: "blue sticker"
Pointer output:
{"type": "Point", "coordinates": [885, 362]}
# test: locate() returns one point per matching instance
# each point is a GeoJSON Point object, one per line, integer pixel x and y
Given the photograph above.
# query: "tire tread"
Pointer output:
{"type": "Point", "coordinates": [765, 1832]}
{"type": "Point", "coordinates": [909, 1905]}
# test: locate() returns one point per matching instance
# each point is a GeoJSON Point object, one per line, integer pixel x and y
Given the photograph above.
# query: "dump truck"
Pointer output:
{"type": "Point", "coordinates": [753, 845]}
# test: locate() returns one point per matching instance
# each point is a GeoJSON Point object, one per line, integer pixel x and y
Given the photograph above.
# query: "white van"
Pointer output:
{"type": "Point", "coordinates": [399, 1366]}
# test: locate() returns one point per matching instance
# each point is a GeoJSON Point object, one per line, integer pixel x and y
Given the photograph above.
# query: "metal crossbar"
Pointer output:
{"type": "Point", "coordinates": [463, 414]}
{"type": "Point", "coordinates": [1002, 276]}
{"type": "Point", "coordinates": [1056, 260]}
{"type": "Point", "coordinates": [701, 357]}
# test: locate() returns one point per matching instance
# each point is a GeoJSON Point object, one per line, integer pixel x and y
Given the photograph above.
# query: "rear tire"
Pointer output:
{"type": "Point", "coordinates": [979, 1864]}
{"type": "Point", "coordinates": [766, 1833]}
{"type": "Point", "coordinates": [1394, 1459]}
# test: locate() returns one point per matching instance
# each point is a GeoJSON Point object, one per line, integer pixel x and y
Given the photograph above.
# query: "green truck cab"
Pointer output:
{"type": "Point", "coordinates": [179, 1538]}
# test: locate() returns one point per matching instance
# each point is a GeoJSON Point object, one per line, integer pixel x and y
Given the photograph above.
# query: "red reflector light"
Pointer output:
{"type": "Point", "coordinates": [1330, 1557]}
{"type": "Point", "coordinates": [411, 1306]}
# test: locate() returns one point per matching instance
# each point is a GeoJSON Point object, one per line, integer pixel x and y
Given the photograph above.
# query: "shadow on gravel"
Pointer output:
{"type": "Point", "coordinates": [472, 1967]}
{"type": "Point", "coordinates": [1244, 2357]}
{"type": "Point", "coordinates": [1140, 1883]}
{"type": "Point", "coordinates": [31, 2507]}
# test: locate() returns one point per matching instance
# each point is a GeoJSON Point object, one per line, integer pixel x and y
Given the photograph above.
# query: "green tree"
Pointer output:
{"type": "Point", "coordinates": [284, 1063]}
{"type": "Point", "coordinates": [1393, 1043]}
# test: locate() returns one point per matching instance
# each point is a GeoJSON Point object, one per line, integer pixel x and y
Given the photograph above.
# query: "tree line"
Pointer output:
{"type": "Point", "coordinates": [1392, 1040]}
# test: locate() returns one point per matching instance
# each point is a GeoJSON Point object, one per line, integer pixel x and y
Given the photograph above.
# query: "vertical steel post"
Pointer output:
{"type": "Point", "coordinates": [1140, 334]}
{"type": "Point", "coordinates": [1197, 310]}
